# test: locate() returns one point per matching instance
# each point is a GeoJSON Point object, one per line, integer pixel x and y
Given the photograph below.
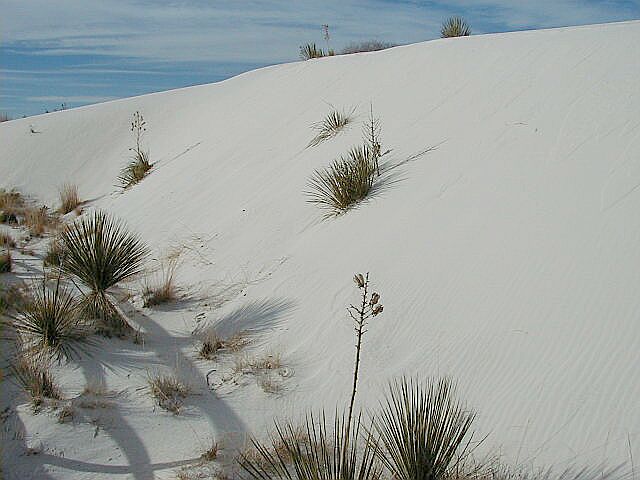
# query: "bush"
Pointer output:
{"type": "Point", "coordinates": [455, 27]}
{"type": "Point", "coordinates": [101, 253]}
{"type": "Point", "coordinates": [6, 261]}
{"type": "Point", "coordinates": [169, 391]}
{"type": "Point", "coordinates": [330, 126]}
{"type": "Point", "coordinates": [366, 46]}
{"type": "Point", "coordinates": [345, 183]}
{"type": "Point", "coordinates": [422, 429]}
{"type": "Point", "coordinates": [33, 376]}
{"type": "Point", "coordinates": [11, 204]}
{"type": "Point", "coordinates": [50, 325]}
{"type": "Point", "coordinates": [329, 453]}
{"type": "Point", "coordinates": [69, 198]}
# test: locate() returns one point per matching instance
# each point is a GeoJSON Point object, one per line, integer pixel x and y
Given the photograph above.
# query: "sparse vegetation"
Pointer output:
{"type": "Point", "coordinates": [69, 198]}
{"type": "Point", "coordinates": [101, 253]}
{"type": "Point", "coordinates": [366, 46]}
{"type": "Point", "coordinates": [7, 240]}
{"type": "Point", "coordinates": [34, 377]}
{"type": "Point", "coordinates": [38, 220]}
{"type": "Point", "coordinates": [330, 126]}
{"type": "Point", "coordinates": [6, 261]}
{"type": "Point", "coordinates": [55, 253]}
{"type": "Point", "coordinates": [257, 364]}
{"type": "Point", "coordinates": [310, 50]}
{"type": "Point", "coordinates": [345, 183]}
{"type": "Point", "coordinates": [169, 391]}
{"type": "Point", "coordinates": [372, 131]}
{"type": "Point", "coordinates": [211, 453]}
{"type": "Point", "coordinates": [210, 344]}
{"type": "Point", "coordinates": [11, 204]}
{"type": "Point", "coordinates": [455, 27]}
{"type": "Point", "coordinates": [49, 325]}
{"type": "Point", "coordinates": [162, 288]}
{"type": "Point", "coordinates": [424, 430]}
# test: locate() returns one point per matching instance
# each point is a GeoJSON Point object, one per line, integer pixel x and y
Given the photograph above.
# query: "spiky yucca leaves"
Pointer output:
{"type": "Point", "coordinates": [34, 377]}
{"type": "Point", "coordinates": [345, 183]}
{"type": "Point", "coordinates": [322, 453]}
{"type": "Point", "coordinates": [101, 253]}
{"type": "Point", "coordinates": [455, 27]}
{"type": "Point", "coordinates": [422, 428]}
{"type": "Point", "coordinates": [49, 325]}
{"type": "Point", "coordinates": [135, 170]}
{"type": "Point", "coordinates": [330, 126]}
{"type": "Point", "coordinates": [310, 50]}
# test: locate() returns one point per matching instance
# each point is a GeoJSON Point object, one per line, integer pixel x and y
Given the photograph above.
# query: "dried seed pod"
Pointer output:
{"type": "Point", "coordinates": [377, 310]}
{"type": "Point", "coordinates": [359, 279]}
{"type": "Point", "coordinates": [374, 299]}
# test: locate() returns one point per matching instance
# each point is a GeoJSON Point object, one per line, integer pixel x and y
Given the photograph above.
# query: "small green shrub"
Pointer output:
{"type": "Point", "coordinates": [455, 27]}
{"type": "Point", "coordinates": [330, 126]}
{"type": "Point", "coordinates": [345, 183]}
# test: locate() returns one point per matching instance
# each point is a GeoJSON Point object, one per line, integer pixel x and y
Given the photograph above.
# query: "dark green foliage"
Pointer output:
{"type": "Point", "coordinates": [101, 253]}
{"type": "Point", "coordinates": [423, 429]}
{"type": "Point", "coordinates": [310, 50]}
{"type": "Point", "coordinates": [455, 27]}
{"type": "Point", "coordinates": [330, 126]}
{"type": "Point", "coordinates": [50, 325]}
{"type": "Point", "coordinates": [345, 183]}
{"type": "Point", "coordinates": [321, 453]}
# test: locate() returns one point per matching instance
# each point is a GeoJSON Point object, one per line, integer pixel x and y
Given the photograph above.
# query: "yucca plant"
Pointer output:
{"type": "Point", "coordinates": [50, 325]}
{"type": "Point", "coordinates": [345, 183]}
{"type": "Point", "coordinates": [330, 126]}
{"type": "Point", "coordinates": [310, 50]}
{"type": "Point", "coordinates": [101, 252]}
{"type": "Point", "coordinates": [424, 430]}
{"type": "Point", "coordinates": [318, 454]}
{"type": "Point", "coordinates": [455, 27]}
{"type": "Point", "coordinates": [135, 170]}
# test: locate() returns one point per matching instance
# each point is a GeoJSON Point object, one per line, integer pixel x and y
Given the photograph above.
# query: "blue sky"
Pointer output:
{"type": "Point", "coordinates": [85, 51]}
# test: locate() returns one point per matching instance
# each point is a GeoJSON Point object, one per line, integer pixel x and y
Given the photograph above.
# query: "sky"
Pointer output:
{"type": "Point", "coordinates": [77, 52]}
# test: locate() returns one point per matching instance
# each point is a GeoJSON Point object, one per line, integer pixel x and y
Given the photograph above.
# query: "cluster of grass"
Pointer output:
{"type": "Point", "coordinates": [169, 391]}
{"type": "Point", "coordinates": [6, 261]}
{"type": "Point", "coordinates": [135, 170]}
{"type": "Point", "coordinates": [330, 126]}
{"type": "Point", "coordinates": [6, 240]}
{"type": "Point", "coordinates": [345, 183]}
{"type": "Point", "coordinates": [11, 205]}
{"type": "Point", "coordinates": [55, 253]}
{"type": "Point", "coordinates": [455, 27]}
{"type": "Point", "coordinates": [34, 377]}
{"type": "Point", "coordinates": [69, 198]}
{"type": "Point", "coordinates": [161, 287]}
{"type": "Point", "coordinates": [211, 343]}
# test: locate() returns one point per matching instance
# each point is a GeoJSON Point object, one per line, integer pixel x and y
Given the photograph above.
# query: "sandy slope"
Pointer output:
{"type": "Point", "coordinates": [507, 256]}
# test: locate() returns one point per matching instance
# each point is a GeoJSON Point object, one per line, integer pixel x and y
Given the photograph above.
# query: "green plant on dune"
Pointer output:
{"type": "Point", "coordinates": [100, 252]}
{"type": "Point", "coordinates": [455, 27]}
{"type": "Point", "coordinates": [140, 164]}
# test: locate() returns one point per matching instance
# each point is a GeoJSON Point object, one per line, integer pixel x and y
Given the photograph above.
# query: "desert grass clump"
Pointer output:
{"type": "Point", "coordinates": [310, 50]}
{"type": "Point", "coordinates": [330, 126]}
{"type": "Point", "coordinates": [210, 343]}
{"type": "Point", "coordinates": [455, 27]}
{"type": "Point", "coordinates": [211, 453]}
{"type": "Point", "coordinates": [325, 451]}
{"type": "Point", "coordinates": [55, 253]}
{"type": "Point", "coordinates": [366, 46]}
{"type": "Point", "coordinates": [7, 240]}
{"type": "Point", "coordinates": [140, 164]}
{"type": "Point", "coordinates": [424, 430]}
{"type": "Point", "coordinates": [69, 198]}
{"type": "Point", "coordinates": [169, 391]}
{"type": "Point", "coordinates": [162, 289]}
{"type": "Point", "coordinates": [6, 261]}
{"type": "Point", "coordinates": [100, 253]}
{"type": "Point", "coordinates": [38, 220]}
{"type": "Point", "coordinates": [50, 325]}
{"type": "Point", "coordinates": [345, 183]}
{"type": "Point", "coordinates": [10, 199]}
{"type": "Point", "coordinates": [34, 377]}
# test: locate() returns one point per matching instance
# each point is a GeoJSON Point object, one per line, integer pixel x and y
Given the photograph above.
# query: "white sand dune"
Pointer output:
{"type": "Point", "coordinates": [507, 256]}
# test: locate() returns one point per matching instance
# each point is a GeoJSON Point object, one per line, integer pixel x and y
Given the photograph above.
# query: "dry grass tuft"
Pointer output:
{"type": "Point", "coordinates": [330, 126]}
{"type": "Point", "coordinates": [69, 198]}
{"type": "Point", "coordinates": [366, 46]}
{"type": "Point", "coordinates": [54, 255]}
{"type": "Point", "coordinates": [210, 344]}
{"type": "Point", "coordinates": [38, 220]}
{"type": "Point", "coordinates": [7, 240]}
{"type": "Point", "coordinates": [161, 287]}
{"type": "Point", "coordinates": [66, 413]}
{"type": "Point", "coordinates": [211, 453]}
{"type": "Point", "coordinates": [34, 377]}
{"type": "Point", "coordinates": [310, 50]}
{"type": "Point", "coordinates": [136, 169]}
{"type": "Point", "coordinates": [169, 391]}
{"type": "Point", "coordinates": [251, 364]}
